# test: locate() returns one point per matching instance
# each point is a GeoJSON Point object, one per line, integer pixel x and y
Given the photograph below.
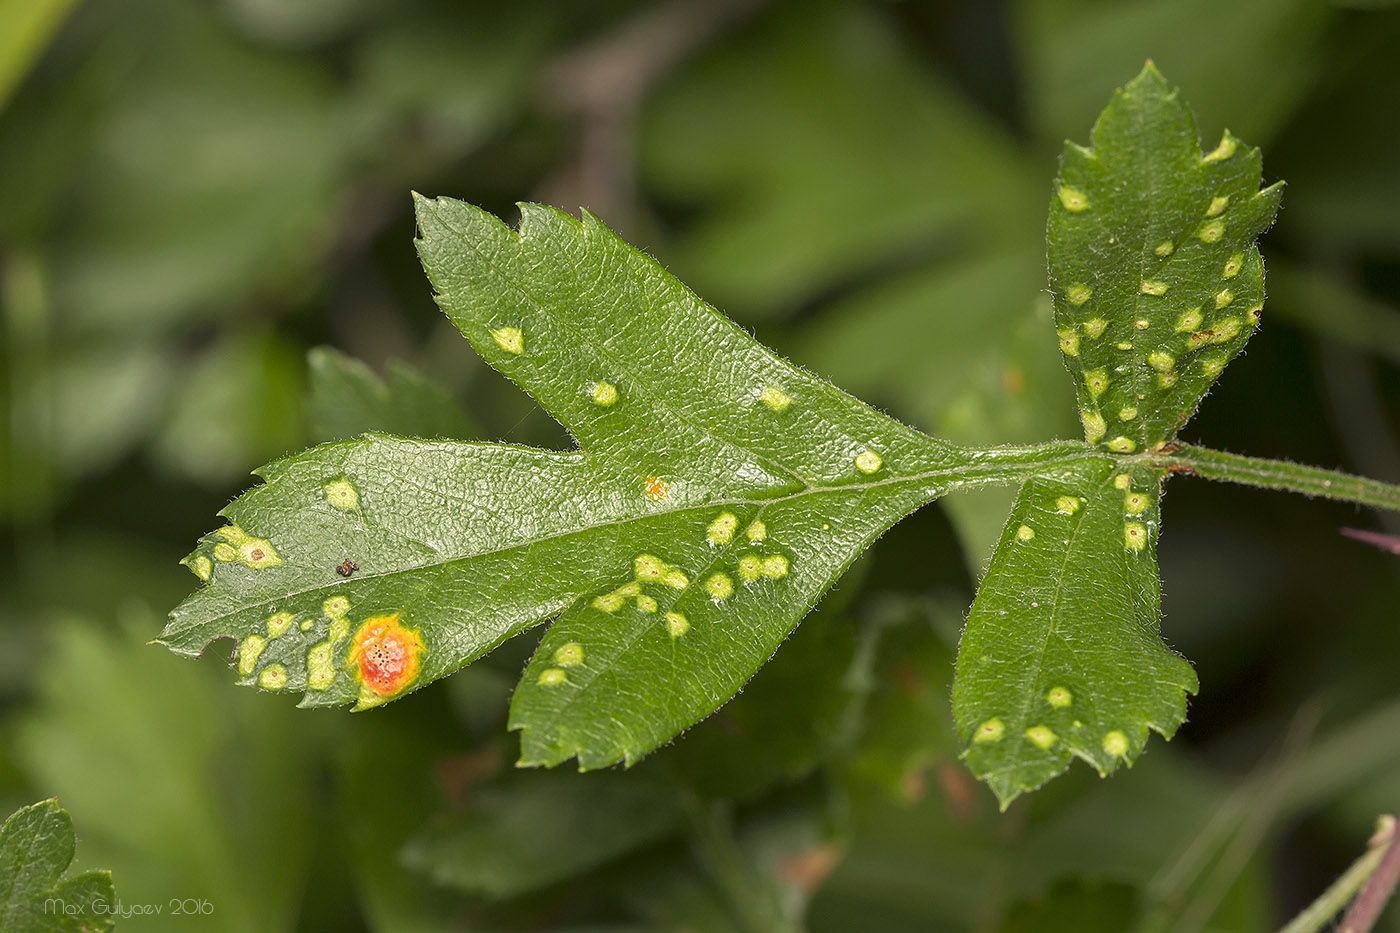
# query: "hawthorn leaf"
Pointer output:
{"type": "Point", "coordinates": [718, 493]}
{"type": "Point", "coordinates": [1061, 656]}
{"type": "Point", "coordinates": [36, 848]}
{"type": "Point", "coordinates": [1155, 274]}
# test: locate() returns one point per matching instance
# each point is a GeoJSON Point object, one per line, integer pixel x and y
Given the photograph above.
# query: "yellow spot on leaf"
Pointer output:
{"type": "Point", "coordinates": [1069, 341]}
{"type": "Point", "coordinates": [1078, 294]}
{"type": "Point", "coordinates": [1025, 533]}
{"type": "Point", "coordinates": [1122, 481]}
{"type": "Point", "coordinates": [1127, 414]}
{"type": "Point", "coordinates": [677, 624]}
{"type": "Point", "coordinates": [336, 607]}
{"type": "Point", "coordinates": [749, 568]}
{"type": "Point", "coordinates": [1166, 380]}
{"type": "Point", "coordinates": [1073, 199]}
{"type": "Point", "coordinates": [278, 624]}
{"type": "Point", "coordinates": [720, 586]}
{"type": "Point", "coordinates": [775, 566]}
{"type": "Point", "coordinates": [1041, 736]}
{"type": "Point", "coordinates": [1140, 324]}
{"type": "Point", "coordinates": [1224, 297]}
{"type": "Point", "coordinates": [1067, 504]}
{"type": "Point", "coordinates": [990, 731]}
{"type": "Point", "coordinates": [1232, 266]}
{"type": "Point", "coordinates": [1212, 231]}
{"type": "Point", "coordinates": [1153, 288]}
{"type": "Point", "coordinates": [648, 567]}
{"type": "Point", "coordinates": [202, 567]}
{"type": "Point", "coordinates": [225, 552]}
{"type": "Point", "coordinates": [553, 677]}
{"type": "Point", "coordinates": [273, 677]}
{"type": "Point", "coordinates": [675, 579]}
{"type": "Point", "coordinates": [721, 530]}
{"type": "Point", "coordinates": [1116, 744]}
{"type": "Point", "coordinates": [1059, 697]}
{"type": "Point", "coordinates": [775, 398]}
{"type": "Point", "coordinates": [341, 494]}
{"type": "Point", "coordinates": [1217, 206]}
{"type": "Point", "coordinates": [1122, 445]}
{"type": "Point", "coordinates": [604, 394]}
{"type": "Point", "coordinates": [646, 604]}
{"type": "Point", "coordinates": [1162, 362]}
{"type": "Point", "coordinates": [1213, 366]}
{"type": "Point", "coordinates": [1134, 536]}
{"type": "Point", "coordinates": [569, 655]}
{"type": "Point", "coordinates": [320, 672]}
{"type": "Point", "coordinates": [609, 603]}
{"type": "Point", "coordinates": [1222, 151]}
{"type": "Point", "coordinates": [756, 531]}
{"type": "Point", "coordinates": [1189, 321]}
{"type": "Point", "coordinates": [1095, 380]}
{"type": "Point", "coordinates": [1252, 315]}
{"type": "Point", "coordinates": [1094, 426]}
{"type": "Point", "coordinates": [249, 652]}
{"type": "Point", "coordinates": [509, 339]}
{"type": "Point", "coordinates": [1135, 503]}
{"type": "Point", "coordinates": [868, 461]}
{"type": "Point", "coordinates": [1094, 327]}
{"type": "Point", "coordinates": [1164, 249]}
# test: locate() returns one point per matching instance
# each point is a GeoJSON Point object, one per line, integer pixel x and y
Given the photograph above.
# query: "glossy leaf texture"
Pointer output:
{"type": "Point", "coordinates": [718, 493]}
{"type": "Point", "coordinates": [36, 848]}
{"type": "Point", "coordinates": [1061, 656]}
{"type": "Point", "coordinates": [1153, 265]}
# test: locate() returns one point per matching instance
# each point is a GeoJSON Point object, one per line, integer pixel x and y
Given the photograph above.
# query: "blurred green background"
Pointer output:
{"type": "Point", "coordinates": [193, 195]}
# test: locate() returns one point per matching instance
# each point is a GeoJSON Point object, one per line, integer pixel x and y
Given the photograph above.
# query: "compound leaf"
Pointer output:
{"type": "Point", "coordinates": [36, 848]}
{"type": "Point", "coordinates": [1156, 278]}
{"type": "Point", "coordinates": [1061, 656]}
{"type": "Point", "coordinates": [718, 492]}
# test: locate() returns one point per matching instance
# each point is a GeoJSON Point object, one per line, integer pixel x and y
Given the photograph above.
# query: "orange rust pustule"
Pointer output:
{"type": "Point", "coordinates": [656, 488]}
{"type": "Point", "coordinates": [386, 655]}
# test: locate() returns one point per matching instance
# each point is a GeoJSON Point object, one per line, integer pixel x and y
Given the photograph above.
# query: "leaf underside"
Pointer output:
{"type": "Point", "coordinates": [36, 848]}
{"type": "Point", "coordinates": [718, 492]}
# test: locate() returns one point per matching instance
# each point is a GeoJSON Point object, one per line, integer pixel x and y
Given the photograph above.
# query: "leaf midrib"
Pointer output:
{"type": "Point", "coordinates": [991, 472]}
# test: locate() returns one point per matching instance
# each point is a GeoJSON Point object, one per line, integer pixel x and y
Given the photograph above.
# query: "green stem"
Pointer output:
{"type": "Point", "coordinates": [1317, 914]}
{"type": "Point", "coordinates": [1278, 474]}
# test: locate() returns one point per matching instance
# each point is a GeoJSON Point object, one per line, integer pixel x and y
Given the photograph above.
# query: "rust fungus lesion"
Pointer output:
{"type": "Point", "coordinates": [657, 489]}
{"type": "Point", "coordinates": [385, 658]}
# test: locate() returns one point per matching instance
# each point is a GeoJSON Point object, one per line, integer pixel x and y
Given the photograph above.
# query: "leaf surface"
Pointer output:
{"type": "Point", "coordinates": [36, 847]}
{"type": "Point", "coordinates": [1061, 656]}
{"type": "Point", "coordinates": [1156, 278]}
{"type": "Point", "coordinates": [719, 491]}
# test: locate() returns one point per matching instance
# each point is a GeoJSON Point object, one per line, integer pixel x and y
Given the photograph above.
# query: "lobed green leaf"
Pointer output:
{"type": "Point", "coordinates": [36, 848]}
{"type": "Point", "coordinates": [1156, 278]}
{"type": "Point", "coordinates": [718, 493]}
{"type": "Point", "coordinates": [1061, 655]}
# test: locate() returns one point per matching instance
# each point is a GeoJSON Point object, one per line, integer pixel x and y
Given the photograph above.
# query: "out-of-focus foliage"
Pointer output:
{"type": "Point", "coordinates": [191, 195]}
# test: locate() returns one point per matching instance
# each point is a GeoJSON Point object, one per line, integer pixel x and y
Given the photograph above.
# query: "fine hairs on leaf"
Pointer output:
{"type": "Point", "coordinates": [717, 491]}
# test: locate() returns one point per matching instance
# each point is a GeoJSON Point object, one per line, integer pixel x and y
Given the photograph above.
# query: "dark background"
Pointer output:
{"type": "Point", "coordinates": [192, 194]}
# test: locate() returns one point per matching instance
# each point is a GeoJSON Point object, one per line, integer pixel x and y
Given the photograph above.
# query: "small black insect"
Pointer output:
{"type": "Point", "coordinates": [347, 567]}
